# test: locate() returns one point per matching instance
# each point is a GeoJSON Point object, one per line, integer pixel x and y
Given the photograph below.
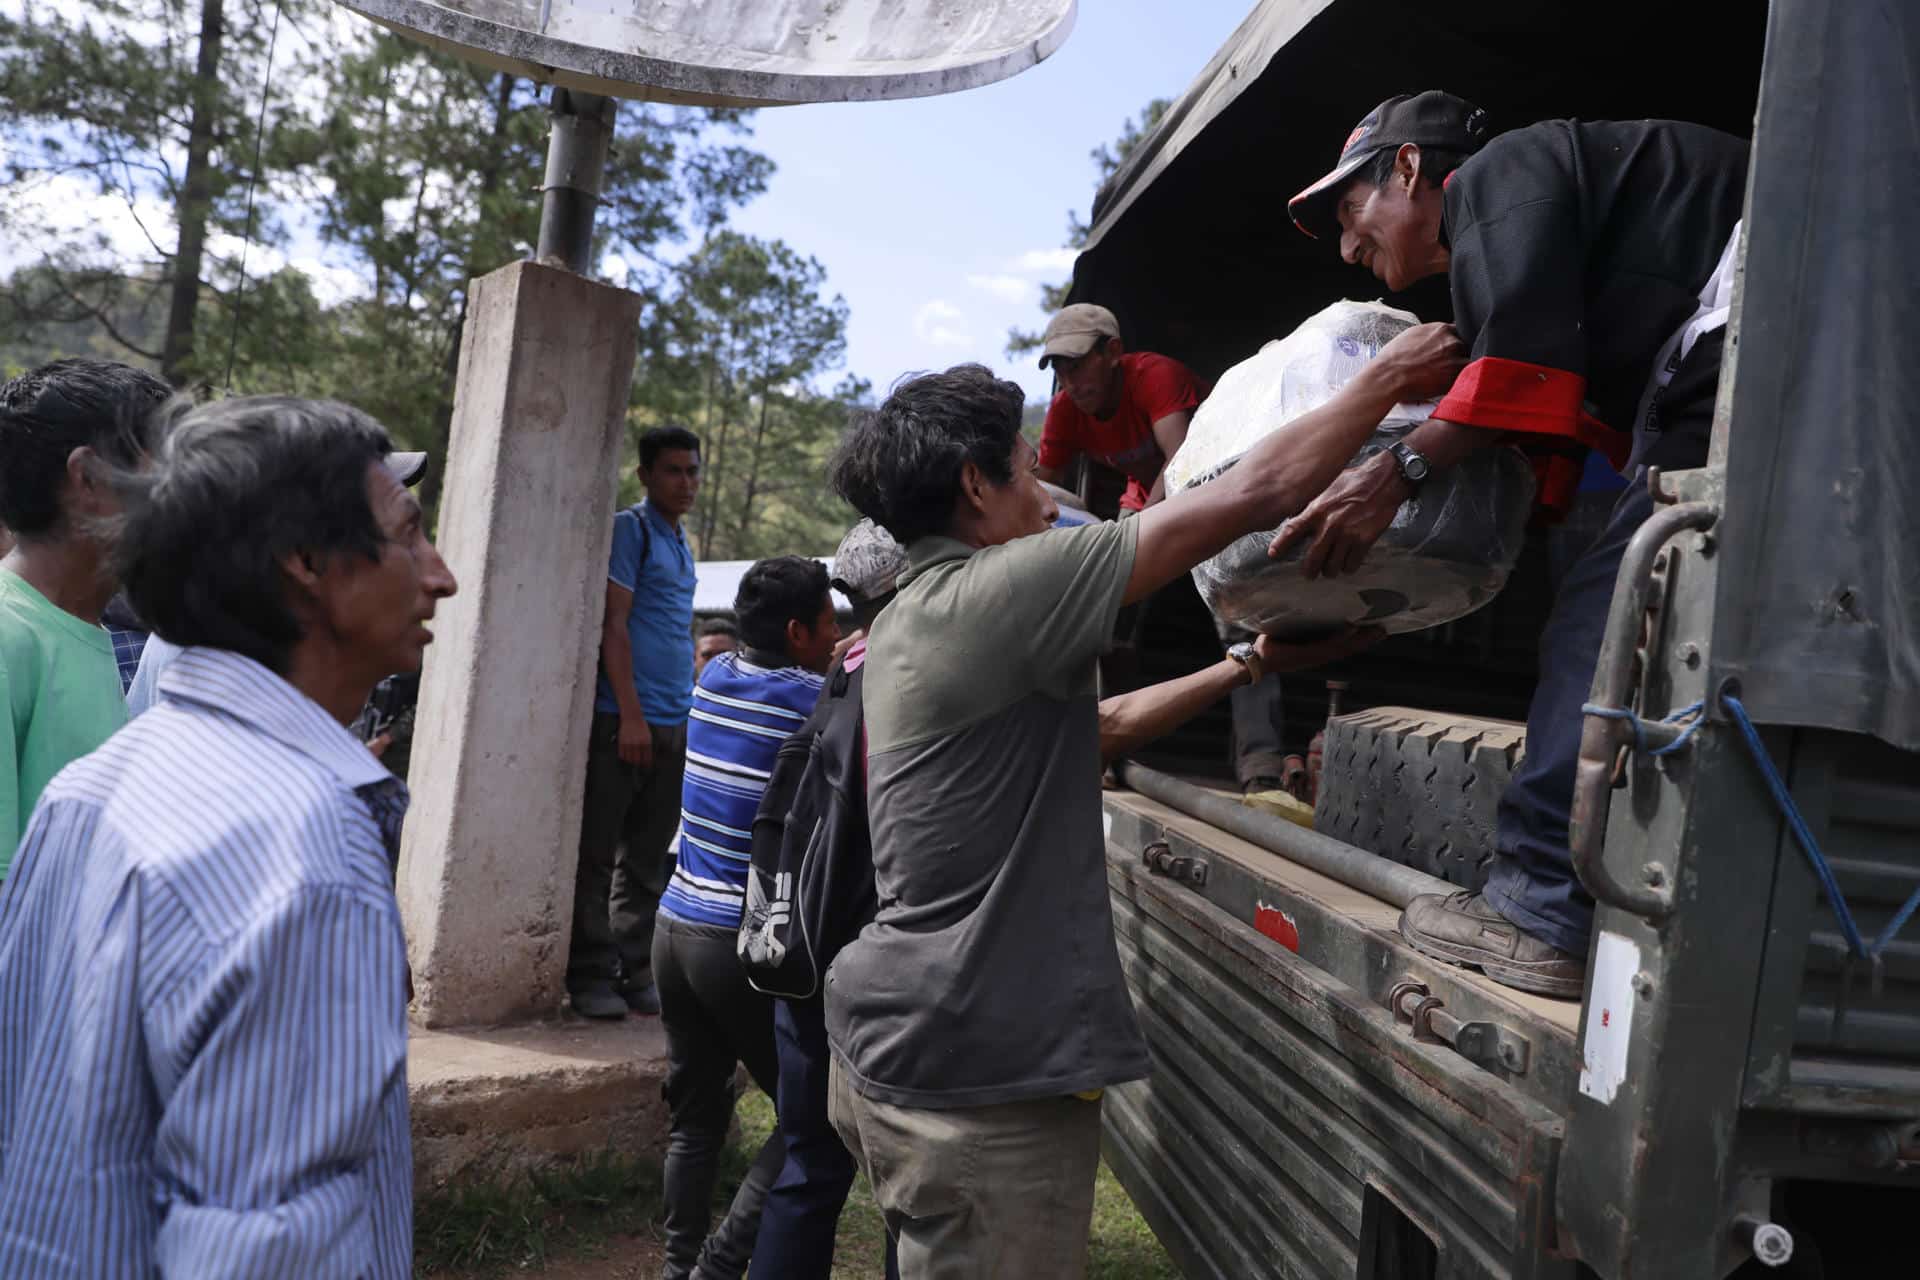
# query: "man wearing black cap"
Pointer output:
{"type": "Point", "coordinates": [1591, 267]}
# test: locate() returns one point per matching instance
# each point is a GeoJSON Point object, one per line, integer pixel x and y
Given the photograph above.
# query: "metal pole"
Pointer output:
{"type": "Point", "coordinates": [1370, 873]}
{"type": "Point", "coordinates": [576, 163]}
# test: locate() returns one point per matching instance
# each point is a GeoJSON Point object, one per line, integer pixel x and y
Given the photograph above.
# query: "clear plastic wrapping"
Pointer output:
{"type": "Point", "coordinates": [1448, 551]}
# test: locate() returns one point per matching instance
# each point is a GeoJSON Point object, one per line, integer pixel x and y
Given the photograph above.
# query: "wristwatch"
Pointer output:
{"type": "Point", "coordinates": [1413, 465]}
{"type": "Point", "coordinates": [1249, 659]}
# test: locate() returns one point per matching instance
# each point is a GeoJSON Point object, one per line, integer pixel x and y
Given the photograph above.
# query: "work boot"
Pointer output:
{"type": "Point", "coordinates": [599, 1002]}
{"type": "Point", "coordinates": [1461, 928]}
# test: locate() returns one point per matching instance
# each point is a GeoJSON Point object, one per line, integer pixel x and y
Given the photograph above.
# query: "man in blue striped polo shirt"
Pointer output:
{"type": "Point", "coordinates": [746, 704]}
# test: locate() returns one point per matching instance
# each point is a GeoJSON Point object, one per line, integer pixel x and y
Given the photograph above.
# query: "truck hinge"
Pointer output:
{"type": "Point", "coordinates": [1161, 860]}
{"type": "Point", "coordinates": [1485, 1044]}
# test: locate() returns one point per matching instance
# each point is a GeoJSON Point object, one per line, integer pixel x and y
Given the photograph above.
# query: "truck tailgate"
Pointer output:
{"type": "Point", "coordinates": [1294, 1126]}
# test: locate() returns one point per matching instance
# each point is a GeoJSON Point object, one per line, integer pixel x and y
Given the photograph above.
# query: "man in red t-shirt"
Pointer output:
{"type": "Point", "coordinates": [1130, 410]}
{"type": "Point", "coordinates": [1127, 409]}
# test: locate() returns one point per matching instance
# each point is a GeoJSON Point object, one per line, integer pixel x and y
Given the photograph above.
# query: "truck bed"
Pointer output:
{"type": "Point", "coordinates": [1294, 1124]}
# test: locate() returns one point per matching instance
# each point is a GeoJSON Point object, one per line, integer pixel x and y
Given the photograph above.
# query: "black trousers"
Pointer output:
{"type": "Point", "coordinates": [802, 1212]}
{"type": "Point", "coordinates": [626, 858]}
{"type": "Point", "coordinates": [1532, 882]}
{"type": "Point", "coordinates": [715, 1021]}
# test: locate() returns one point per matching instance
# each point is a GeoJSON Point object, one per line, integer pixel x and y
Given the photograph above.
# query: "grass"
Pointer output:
{"type": "Point", "coordinates": [526, 1223]}
{"type": "Point", "coordinates": [483, 1228]}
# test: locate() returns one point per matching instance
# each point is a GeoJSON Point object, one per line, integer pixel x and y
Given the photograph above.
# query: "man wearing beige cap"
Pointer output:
{"type": "Point", "coordinates": [1130, 410]}
{"type": "Point", "coordinates": [1126, 409]}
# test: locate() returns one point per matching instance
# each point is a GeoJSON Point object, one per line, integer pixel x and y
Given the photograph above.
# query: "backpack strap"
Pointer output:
{"type": "Point", "coordinates": [646, 539]}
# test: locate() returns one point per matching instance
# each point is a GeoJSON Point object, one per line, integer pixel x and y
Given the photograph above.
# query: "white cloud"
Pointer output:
{"type": "Point", "coordinates": [1006, 288]}
{"type": "Point", "coordinates": [941, 324]}
{"type": "Point", "coordinates": [1055, 261]}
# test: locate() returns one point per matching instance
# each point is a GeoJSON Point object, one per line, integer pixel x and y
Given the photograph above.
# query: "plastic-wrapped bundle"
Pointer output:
{"type": "Point", "coordinates": [1447, 552]}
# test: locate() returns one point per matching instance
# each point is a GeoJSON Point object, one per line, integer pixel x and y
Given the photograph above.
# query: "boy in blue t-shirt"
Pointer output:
{"type": "Point", "coordinates": [639, 744]}
{"type": "Point", "coordinates": [747, 703]}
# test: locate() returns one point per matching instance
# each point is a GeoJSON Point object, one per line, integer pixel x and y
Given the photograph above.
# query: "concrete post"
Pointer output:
{"type": "Point", "coordinates": [499, 760]}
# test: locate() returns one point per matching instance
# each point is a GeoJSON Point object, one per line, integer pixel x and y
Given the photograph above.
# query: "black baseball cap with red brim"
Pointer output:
{"type": "Point", "coordinates": [1430, 119]}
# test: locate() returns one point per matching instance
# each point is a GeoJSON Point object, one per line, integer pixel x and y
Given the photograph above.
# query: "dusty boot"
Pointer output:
{"type": "Point", "coordinates": [1461, 928]}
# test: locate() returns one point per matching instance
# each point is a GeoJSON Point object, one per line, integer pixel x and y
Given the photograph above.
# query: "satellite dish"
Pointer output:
{"type": "Point", "coordinates": [747, 53]}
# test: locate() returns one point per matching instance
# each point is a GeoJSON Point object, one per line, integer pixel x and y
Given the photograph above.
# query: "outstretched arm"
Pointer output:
{"type": "Point", "coordinates": [1131, 720]}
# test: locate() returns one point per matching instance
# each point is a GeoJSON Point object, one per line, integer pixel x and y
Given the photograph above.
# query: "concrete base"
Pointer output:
{"type": "Point", "coordinates": [490, 1104]}
{"type": "Point", "coordinates": [500, 745]}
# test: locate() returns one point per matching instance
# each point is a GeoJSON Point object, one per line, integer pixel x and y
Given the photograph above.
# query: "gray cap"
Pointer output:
{"type": "Point", "coordinates": [867, 563]}
{"type": "Point", "coordinates": [407, 468]}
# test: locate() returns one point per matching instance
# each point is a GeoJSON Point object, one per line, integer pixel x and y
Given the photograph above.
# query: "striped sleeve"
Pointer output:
{"type": "Point", "coordinates": [270, 1161]}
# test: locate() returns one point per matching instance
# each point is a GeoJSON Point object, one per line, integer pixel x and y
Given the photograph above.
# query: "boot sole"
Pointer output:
{"type": "Point", "coordinates": [1505, 972]}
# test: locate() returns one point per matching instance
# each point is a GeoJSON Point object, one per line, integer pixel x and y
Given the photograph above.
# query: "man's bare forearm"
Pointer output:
{"type": "Point", "coordinates": [1274, 480]}
{"type": "Point", "coordinates": [616, 654]}
{"type": "Point", "coordinates": [1130, 720]}
{"type": "Point", "coordinates": [1444, 443]}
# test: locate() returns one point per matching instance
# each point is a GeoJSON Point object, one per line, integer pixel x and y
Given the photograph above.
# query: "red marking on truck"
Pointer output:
{"type": "Point", "coordinates": [1276, 924]}
{"type": "Point", "coordinates": [1606, 1017]}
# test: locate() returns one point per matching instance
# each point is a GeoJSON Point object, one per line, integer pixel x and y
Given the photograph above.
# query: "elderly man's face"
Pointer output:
{"type": "Point", "coordinates": [378, 610]}
{"type": "Point", "coordinates": [1393, 231]}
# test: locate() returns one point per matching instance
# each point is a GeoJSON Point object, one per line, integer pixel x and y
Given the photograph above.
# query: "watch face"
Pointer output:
{"type": "Point", "coordinates": [1414, 466]}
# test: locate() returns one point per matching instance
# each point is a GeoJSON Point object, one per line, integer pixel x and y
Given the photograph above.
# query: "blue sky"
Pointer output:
{"type": "Point", "coordinates": [935, 216]}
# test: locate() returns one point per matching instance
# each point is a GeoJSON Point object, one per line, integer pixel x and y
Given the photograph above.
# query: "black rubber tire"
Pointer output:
{"type": "Point", "coordinates": [1419, 787]}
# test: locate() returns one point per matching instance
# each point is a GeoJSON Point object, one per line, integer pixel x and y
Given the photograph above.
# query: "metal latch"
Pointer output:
{"type": "Point", "coordinates": [1485, 1044]}
{"type": "Point", "coordinates": [1162, 861]}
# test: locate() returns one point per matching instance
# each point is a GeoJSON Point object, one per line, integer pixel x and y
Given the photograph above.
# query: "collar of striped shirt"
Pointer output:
{"type": "Point", "coordinates": [240, 687]}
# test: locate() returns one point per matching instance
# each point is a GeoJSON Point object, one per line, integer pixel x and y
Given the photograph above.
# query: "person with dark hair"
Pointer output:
{"type": "Point", "coordinates": [745, 705]}
{"type": "Point", "coordinates": [638, 751]}
{"type": "Point", "coordinates": [715, 637]}
{"type": "Point", "coordinates": [1591, 266]}
{"type": "Point", "coordinates": [64, 428]}
{"type": "Point", "coordinates": [1127, 409]}
{"type": "Point", "coordinates": [975, 1020]}
{"type": "Point", "coordinates": [157, 653]}
{"type": "Point", "coordinates": [203, 978]}
{"type": "Point", "coordinates": [1131, 410]}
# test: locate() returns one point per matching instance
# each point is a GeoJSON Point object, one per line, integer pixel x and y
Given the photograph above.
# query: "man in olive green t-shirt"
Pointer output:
{"type": "Point", "coordinates": [63, 428]}
{"type": "Point", "coordinates": [975, 1021]}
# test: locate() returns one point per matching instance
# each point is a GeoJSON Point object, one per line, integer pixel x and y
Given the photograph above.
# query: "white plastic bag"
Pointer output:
{"type": "Point", "coordinates": [1447, 552]}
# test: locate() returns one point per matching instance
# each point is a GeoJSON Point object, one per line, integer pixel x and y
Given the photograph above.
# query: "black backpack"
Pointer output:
{"type": "Point", "coordinates": [810, 887]}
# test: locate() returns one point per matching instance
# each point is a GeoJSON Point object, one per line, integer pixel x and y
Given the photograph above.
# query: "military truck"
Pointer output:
{"type": "Point", "coordinates": [1739, 1088]}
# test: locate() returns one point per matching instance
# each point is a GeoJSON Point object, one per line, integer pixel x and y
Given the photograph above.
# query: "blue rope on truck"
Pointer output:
{"type": "Point", "coordinates": [1693, 715]}
{"type": "Point", "coordinates": [1830, 885]}
{"type": "Point", "coordinates": [1634, 722]}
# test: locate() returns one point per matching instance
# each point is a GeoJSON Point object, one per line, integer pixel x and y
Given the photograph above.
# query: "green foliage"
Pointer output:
{"type": "Point", "coordinates": [736, 354]}
{"type": "Point", "coordinates": [1107, 159]}
{"type": "Point", "coordinates": [416, 173]}
{"type": "Point", "coordinates": [126, 100]}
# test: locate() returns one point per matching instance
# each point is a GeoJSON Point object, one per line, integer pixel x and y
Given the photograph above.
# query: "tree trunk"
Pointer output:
{"type": "Point", "coordinates": [195, 204]}
{"type": "Point", "coordinates": [753, 471]}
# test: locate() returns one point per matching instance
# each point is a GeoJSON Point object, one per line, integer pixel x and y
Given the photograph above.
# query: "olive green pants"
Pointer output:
{"type": "Point", "coordinates": [978, 1193]}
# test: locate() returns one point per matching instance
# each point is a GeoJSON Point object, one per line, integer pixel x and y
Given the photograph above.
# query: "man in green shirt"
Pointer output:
{"type": "Point", "coordinates": [63, 428]}
{"type": "Point", "coordinates": [975, 1021]}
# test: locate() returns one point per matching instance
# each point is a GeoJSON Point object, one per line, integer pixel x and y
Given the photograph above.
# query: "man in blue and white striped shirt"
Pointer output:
{"type": "Point", "coordinates": [203, 1036]}
{"type": "Point", "coordinates": [746, 704]}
